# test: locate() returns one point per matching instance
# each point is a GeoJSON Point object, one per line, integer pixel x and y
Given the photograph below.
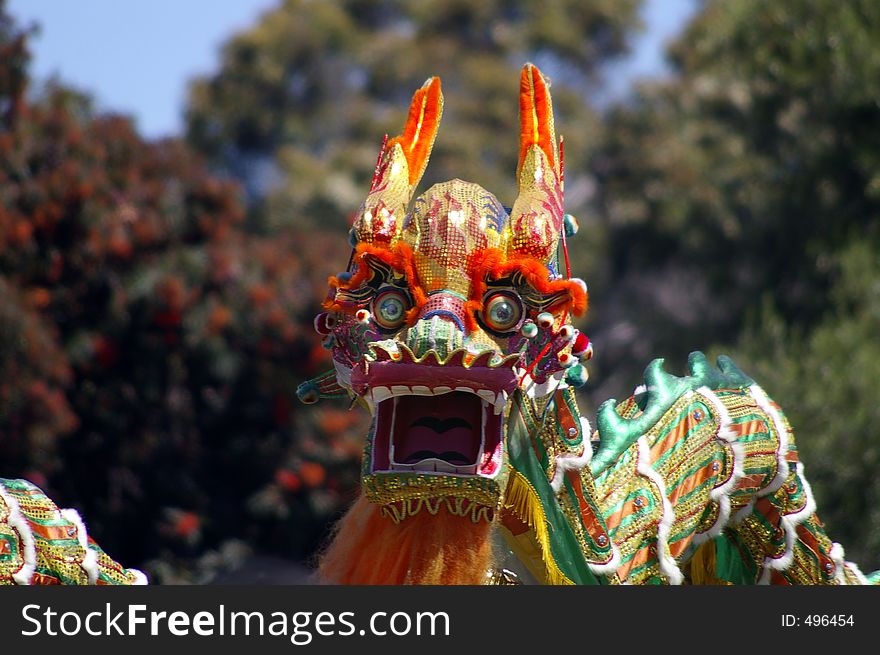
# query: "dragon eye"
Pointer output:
{"type": "Point", "coordinates": [390, 307]}
{"type": "Point", "coordinates": [502, 311]}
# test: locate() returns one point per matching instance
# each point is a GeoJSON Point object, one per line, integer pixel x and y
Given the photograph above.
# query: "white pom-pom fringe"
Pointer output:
{"type": "Point", "coordinates": [764, 403]}
{"type": "Point", "coordinates": [139, 577]}
{"type": "Point", "coordinates": [839, 558]}
{"type": "Point", "coordinates": [720, 493]}
{"type": "Point", "coordinates": [789, 525]}
{"type": "Point", "coordinates": [566, 463]}
{"type": "Point", "coordinates": [19, 524]}
{"type": "Point", "coordinates": [668, 566]}
{"type": "Point", "coordinates": [610, 566]}
{"type": "Point", "coordinates": [90, 559]}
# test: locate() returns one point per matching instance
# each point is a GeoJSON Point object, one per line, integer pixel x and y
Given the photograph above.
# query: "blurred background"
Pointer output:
{"type": "Point", "coordinates": [176, 184]}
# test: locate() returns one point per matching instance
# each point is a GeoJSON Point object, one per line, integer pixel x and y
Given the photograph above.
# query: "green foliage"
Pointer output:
{"type": "Point", "coordinates": [826, 381]}
{"type": "Point", "coordinates": [742, 202]}
{"type": "Point", "coordinates": [150, 348]}
{"type": "Point", "coordinates": [746, 171]}
{"type": "Point", "coordinates": [300, 104]}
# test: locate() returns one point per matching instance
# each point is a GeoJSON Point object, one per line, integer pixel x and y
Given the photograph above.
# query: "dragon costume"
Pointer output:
{"type": "Point", "coordinates": [453, 326]}
{"type": "Point", "coordinates": [43, 544]}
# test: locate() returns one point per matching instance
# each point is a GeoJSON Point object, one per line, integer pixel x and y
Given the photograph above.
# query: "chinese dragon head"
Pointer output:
{"type": "Point", "coordinates": [453, 320]}
{"type": "Point", "coordinates": [453, 326]}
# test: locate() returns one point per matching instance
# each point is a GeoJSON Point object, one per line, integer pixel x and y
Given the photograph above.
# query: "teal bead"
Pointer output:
{"type": "Point", "coordinates": [529, 330]}
{"type": "Point", "coordinates": [352, 238]}
{"type": "Point", "coordinates": [571, 225]}
{"type": "Point", "coordinates": [576, 376]}
{"type": "Point", "coordinates": [308, 393]}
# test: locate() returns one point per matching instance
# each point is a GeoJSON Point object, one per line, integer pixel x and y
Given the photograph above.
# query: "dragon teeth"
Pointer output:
{"type": "Point", "coordinates": [434, 465]}
{"type": "Point", "coordinates": [380, 394]}
{"type": "Point", "coordinates": [498, 401]}
{"type": "Point", "coordinates": [456, 506]}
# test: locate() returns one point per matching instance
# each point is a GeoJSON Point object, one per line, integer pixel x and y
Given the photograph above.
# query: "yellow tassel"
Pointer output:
{"type": "Point", "coordinates": [522, 500]}
{"type": "Point", "coordinates": [703, 565]}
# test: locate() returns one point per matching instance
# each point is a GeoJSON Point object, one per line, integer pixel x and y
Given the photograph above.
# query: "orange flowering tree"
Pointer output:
{"type": "Point", "coordinates": [151, 347]}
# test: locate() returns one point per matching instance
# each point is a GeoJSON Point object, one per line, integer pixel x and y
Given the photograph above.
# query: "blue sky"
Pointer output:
{"type": "Point", "coordinates": [137, 56]}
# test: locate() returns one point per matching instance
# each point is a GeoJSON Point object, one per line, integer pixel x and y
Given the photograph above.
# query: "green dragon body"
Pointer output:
{"type": "Point", "coordinates": [43, 544]}
{"type": "Point", "coordinates": [452, 325]}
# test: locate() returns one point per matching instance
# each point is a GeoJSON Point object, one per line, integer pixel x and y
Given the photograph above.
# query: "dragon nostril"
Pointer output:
{"type": "Point", "coordinates": [441, 315]}
{"type": "Point", "coordinates": [445, 306]}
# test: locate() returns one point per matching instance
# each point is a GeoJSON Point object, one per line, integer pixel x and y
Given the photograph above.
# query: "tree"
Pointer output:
{"type": "Point", "coordinates": [826, 379]}
{"type": "Point", "coordinates": [748, 169]}
{"type": "Point", "coordinates": [732, 193]}
{"type": "Point", "coordinates": [300, 104]}
{"type": "Point", "coordinates": [150, 348]}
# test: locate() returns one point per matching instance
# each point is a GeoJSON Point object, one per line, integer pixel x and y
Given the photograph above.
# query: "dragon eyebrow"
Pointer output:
{"type": "Point", "coordinates": [531, 277]}
{"type": "Point", "coordinates": [534, 298]}
{"type": "Point", "coordinates": [376, 263]}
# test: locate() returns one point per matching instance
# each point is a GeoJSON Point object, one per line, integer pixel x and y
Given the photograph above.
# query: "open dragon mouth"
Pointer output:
{"type": "Point", "coordinates": [446, 421]}
{"type": "Point", "coordinates": [438, 430]}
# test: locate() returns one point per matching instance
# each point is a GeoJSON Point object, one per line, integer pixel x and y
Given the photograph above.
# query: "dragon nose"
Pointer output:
{"type": "Point", "coordinates": [440, 326]}
{"type": "Point", "coordinates": [445, 306]}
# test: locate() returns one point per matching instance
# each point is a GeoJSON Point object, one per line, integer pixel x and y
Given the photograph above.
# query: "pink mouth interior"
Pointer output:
{"type": "Point", "coordinates": [457, 428]}
{"type": "Point", "coordinates": [446, 427]}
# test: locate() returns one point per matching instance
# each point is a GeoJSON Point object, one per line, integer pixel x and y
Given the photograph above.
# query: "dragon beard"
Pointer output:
{"type": "Point", "coordinates": [440, 549]}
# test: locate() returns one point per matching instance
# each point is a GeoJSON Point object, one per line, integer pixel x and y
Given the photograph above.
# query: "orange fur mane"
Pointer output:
{"type": "Point", "coordinates": [441, 549]}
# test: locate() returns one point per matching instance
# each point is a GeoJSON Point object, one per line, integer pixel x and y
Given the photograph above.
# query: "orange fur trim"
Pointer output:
{"type": "Point", "coordinates": [363, 273]}
{"type": "Point", "coordinates": [368, 548]}
{"type": "Point", "coordinates": [401, 259]}
{"type": "Point", "coordinates": [492, 264]}
{"type": "Point", "coordinates": [534, 115]}
{"type": "Point", "coordinates": [420, 129]}
{"type": "Point", "coordinates": [471, 307]}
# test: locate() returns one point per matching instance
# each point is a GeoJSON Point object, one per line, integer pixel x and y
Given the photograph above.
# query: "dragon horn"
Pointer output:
{"type": "Point", "coordinates": [401, 164]}
{"type": "Point", "coordinates": [537, 213]}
